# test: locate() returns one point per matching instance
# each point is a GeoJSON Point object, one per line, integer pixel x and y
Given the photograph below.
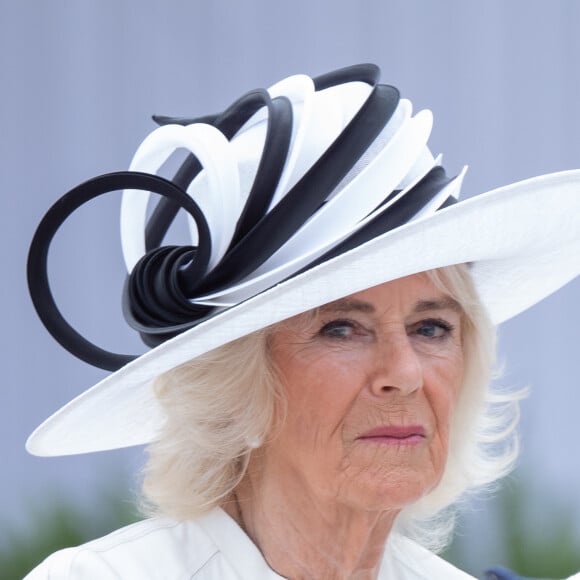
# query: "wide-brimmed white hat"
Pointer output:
{"type": "Point", "coordinates": [297, 196]}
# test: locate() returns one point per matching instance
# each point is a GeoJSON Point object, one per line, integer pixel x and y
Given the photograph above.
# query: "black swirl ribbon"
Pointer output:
{"type": "Point", "coordinates": [146, 280]}
{"type": "Point", "coordinates": [160, 291]}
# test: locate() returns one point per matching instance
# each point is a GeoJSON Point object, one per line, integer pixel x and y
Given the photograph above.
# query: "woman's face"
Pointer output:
{"type": "Point", "coordinates": [371, 381]}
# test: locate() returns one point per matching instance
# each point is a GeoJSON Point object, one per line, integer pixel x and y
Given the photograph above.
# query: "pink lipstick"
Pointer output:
{"type": "Point", "coordinates": [395, 435]}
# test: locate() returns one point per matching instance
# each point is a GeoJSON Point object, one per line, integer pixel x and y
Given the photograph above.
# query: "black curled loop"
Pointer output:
{"type": "Point", "coordinates": [37, 273]}
{"type": "Point", "coordinates": [366, 73]}
{"type": "Point", "coordinates": [154, 303]}
{"type": "Point", "coordinates": [274, 154]}
{"type": "Point", "coordinates": [402, 211]}
{"type": "Point", "coordinates": [153, 287]}
{"type": "Point", "coordinates": [166, 209]}
{"type": "Point", "coordinates": [259, 233]}
{"type": "Point", "coordinates": [161, 295]}
{"type": "Point", "coordinates": [311, 191]}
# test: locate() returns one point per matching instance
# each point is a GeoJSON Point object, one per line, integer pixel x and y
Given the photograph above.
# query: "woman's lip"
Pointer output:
{"type": "Point", "coordinates": [396, 433]}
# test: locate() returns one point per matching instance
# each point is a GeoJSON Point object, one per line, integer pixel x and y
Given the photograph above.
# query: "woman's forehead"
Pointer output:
{"type": "Point", "coordinates": [417, 292]}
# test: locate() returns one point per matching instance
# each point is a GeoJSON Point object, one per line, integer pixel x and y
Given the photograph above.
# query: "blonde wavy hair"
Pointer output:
{"type": "Point", "coordinates": [221, 405]}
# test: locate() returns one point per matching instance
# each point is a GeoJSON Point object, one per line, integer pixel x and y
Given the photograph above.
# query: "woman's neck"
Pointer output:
{"type": "Point", "coordinates": [303, 536]}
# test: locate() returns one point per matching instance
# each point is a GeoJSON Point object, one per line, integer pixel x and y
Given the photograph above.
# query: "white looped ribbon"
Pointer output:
{"type": "Point", "coordinates": [405, 154]}
{"type": "Point", "coordinates": [299, 89]}
{"type": "Point", "coordinates": [318, 119]}
{"type": "Point", "coordinates": [362, 195]}
{"type": "Point", "coordinates": [219, 199]}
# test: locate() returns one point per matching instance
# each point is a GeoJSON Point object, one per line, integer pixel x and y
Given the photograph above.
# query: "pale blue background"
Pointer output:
{"type": "Point", "coordinates": [79, 80]}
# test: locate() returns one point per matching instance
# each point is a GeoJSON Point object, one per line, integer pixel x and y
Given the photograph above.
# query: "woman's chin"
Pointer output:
{"type": "Point", "coordinates": [374, 492]}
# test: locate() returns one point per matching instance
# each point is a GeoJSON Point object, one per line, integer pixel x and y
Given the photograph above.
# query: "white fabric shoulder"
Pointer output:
{"type": "Point", "coordinates": [408, 560]}
{"type": "Point", "coordinates": [212, 547]}
{"type": "Point", "coordinates": [149, 549]}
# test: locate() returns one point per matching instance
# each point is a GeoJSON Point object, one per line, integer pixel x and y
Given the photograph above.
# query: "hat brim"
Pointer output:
{"type": "Point", "coordinates": [522, 241]}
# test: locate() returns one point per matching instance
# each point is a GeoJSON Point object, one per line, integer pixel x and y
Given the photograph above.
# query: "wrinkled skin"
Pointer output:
{"type": "Point", "coordinates": [320, 497]}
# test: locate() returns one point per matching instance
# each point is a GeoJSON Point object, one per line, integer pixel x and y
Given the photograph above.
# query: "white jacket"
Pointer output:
{"type": "Point", "coordinates": [212, 547]}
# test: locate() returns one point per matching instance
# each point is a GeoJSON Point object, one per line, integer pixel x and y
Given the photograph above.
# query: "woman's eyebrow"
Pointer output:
{"type": "Point", "coordinates": [348, 305]}
{"type": "Point", "coordinates": [352, 304]}
{"type": "Point", "coordinates": [445, 303]}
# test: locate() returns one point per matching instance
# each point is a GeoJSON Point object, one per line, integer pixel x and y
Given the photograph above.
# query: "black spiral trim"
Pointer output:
{"type": "Point", "coordinates": [153, 287]}
{"type": "Point", "coordinates": [158, 293]}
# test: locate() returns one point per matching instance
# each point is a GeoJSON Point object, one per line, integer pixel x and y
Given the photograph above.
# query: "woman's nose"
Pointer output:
{"type": "Point", "coordinates": [397, 367]}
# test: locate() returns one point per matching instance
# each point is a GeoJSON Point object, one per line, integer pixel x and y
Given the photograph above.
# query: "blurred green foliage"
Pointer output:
{"type": "Point", "coordinates": [549, 548]}
{"type": "Point", "coordinates": [538, 536]}
{"type": "Point", "coordinates": [59, 524]}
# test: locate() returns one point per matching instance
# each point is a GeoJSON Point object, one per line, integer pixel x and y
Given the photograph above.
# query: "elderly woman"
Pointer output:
{"type": "Point", "coordinates": [318, 396]}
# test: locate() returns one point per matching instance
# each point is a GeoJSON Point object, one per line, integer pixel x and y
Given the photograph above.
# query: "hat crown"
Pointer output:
{"type": "Point", "coordinates": [280, 181]}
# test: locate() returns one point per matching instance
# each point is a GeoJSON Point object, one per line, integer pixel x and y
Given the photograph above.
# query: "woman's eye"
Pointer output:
{"type": "Point", "coordinates": [338, 329]}
{"type": "Point", "coordinates": [434, 328]}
